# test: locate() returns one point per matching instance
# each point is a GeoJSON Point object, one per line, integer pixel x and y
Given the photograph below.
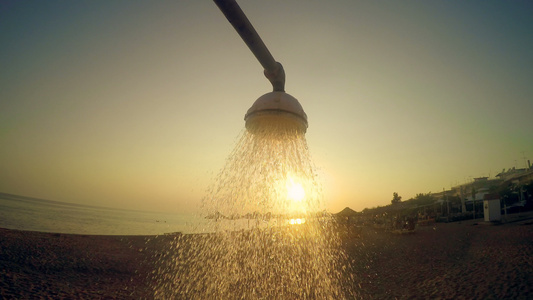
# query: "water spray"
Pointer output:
{"type": "Point", "coordinates": [269, 237]}
{"type": "Point", "coordinates": [276, 107]}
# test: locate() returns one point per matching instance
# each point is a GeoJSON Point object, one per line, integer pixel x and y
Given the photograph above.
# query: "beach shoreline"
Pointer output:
{"type": "Point", "coordinates": [461, 260]}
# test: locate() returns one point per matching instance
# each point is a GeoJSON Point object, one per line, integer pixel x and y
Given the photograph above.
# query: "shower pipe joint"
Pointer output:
{"type": "Point", "coordinates": [276, 78]}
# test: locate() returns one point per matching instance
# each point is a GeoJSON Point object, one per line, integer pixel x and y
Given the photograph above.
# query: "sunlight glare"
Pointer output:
{"type": "Point", "coordinates": [295, 191]}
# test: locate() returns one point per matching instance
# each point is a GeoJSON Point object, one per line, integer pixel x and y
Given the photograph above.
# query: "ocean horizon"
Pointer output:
{"type": "Point", "coordinates": [33, 214]}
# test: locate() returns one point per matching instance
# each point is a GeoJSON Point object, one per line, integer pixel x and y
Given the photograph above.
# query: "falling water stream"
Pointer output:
{"type": "Point", "coordinates": [269, 234]}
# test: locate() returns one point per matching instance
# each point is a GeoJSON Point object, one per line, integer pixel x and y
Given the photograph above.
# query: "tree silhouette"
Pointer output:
{"type": "Point", "coordinates": [396, 198]}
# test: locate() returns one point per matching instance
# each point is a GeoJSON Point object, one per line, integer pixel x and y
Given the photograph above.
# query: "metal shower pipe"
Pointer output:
{"type": "Point", "coordinates": [273, 70]}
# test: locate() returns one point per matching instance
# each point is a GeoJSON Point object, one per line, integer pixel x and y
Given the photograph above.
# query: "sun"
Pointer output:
{"type": "Point", "coordinates": [295, 191]}
{"type": "Point", "coordinates": [296, 197]}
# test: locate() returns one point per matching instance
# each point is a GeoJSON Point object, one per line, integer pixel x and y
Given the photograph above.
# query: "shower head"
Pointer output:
{"type": "Point", "coordinates": [273, 109]}
{"type": "Point", "coordinates": [277, 108]}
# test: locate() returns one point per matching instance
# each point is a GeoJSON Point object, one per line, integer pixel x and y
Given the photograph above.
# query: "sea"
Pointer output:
{"type": "Point", "coordinates": [26, 213]}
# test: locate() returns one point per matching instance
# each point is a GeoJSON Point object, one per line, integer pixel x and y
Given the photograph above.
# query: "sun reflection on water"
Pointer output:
{"type": "Point", "coordinates": [297, 221]}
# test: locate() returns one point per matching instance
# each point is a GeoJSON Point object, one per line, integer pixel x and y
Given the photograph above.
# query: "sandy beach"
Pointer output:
{"type": "Point", "coordinates": [462, 260]}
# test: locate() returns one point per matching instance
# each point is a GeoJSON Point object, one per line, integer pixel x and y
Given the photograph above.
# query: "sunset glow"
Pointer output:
{"type": "Point", "coordinates": [137, 105]}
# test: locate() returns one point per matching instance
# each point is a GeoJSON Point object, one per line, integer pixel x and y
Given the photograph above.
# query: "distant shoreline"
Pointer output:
{"type": "Point", "coordinates": [54, 202]}
{"type": "Point", "coordinates": [26, 213]}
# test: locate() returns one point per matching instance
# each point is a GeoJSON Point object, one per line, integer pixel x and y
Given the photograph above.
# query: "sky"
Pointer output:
{"type": "Point", "coordinates": [137, 104]}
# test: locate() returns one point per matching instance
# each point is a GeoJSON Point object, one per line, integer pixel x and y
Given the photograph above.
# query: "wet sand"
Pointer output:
{"type": "Point", "coordinates": [442, 261]}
